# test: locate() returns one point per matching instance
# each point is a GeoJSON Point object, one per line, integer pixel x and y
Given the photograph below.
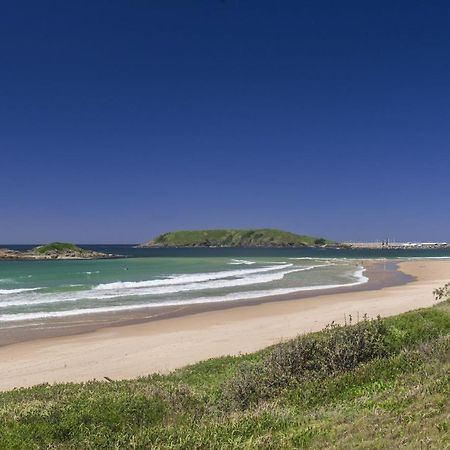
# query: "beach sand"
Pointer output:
{"type": "Point", "coordinates": [164, 345]}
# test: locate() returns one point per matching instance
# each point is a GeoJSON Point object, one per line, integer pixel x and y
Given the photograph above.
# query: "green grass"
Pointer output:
{"type": "Point", "coordinates": [265, 237]}
{"type": "Point", "coordinates": [374, 385]}
{"type": "Point", "coordinates": [58, 247]}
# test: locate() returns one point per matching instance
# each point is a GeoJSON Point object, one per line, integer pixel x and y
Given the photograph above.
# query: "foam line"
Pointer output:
{"type": "Point", "coordinates": [358, 275]}
{"type": "Point", "coordinates": [252, 279]}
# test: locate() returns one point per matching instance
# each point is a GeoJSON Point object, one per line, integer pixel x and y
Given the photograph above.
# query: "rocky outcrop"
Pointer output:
{"type": "Point", "coordinates": [38, 254]}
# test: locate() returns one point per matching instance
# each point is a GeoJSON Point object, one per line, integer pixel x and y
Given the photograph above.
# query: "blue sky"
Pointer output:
{"type": "Point", "coordinates": [123, 119]}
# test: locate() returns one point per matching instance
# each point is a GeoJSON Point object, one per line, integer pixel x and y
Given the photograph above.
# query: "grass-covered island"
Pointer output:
{"type": "Point", "coordinates": [379, 384]}
{"type": "Point", "coordinates": [54, 250]}
{"type": "Point", "coordinates": [262, 237]}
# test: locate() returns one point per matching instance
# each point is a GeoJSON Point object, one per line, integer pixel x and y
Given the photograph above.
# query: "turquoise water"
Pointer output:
{"type": "Point", "coordinates": [154, 278]}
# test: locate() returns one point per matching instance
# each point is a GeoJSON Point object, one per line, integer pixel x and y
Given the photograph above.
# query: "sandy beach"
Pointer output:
{"type": "Point", "coordinates": [164, 345]}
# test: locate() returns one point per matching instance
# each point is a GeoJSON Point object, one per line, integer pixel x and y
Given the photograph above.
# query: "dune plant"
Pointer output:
{"type": "Point", "coordinates": [338, 348]}
{"type": "Point", "coordinates": [442, 293]}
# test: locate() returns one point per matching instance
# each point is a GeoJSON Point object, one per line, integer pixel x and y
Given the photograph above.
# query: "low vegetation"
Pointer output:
{"type": "Point", "coordinates": [58, 247]}
{"type": "Point", "coordinates": [265, 237]}
{"type": "Point", "coordinates": [376, 384]}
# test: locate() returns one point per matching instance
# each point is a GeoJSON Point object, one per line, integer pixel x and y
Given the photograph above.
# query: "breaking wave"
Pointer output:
{"type": "Point", "coordinates": [191, 282]}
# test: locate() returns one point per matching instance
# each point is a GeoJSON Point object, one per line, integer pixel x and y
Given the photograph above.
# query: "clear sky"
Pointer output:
{"type": "Point", "coordinates": [123, 119]}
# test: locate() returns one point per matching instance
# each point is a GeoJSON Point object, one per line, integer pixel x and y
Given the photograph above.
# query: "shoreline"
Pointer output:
{"type": "Point", "coordinates": [380, 275]}
{"type": "Point", "coordinates": [162, 345]}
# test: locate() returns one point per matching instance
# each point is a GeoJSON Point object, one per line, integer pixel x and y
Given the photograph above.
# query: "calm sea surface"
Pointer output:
{"type": "Point", "coordinates": [153, 278]}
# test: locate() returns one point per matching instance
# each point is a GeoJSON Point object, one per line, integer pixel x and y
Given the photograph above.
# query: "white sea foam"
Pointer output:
{"type": "Point", "coordinates": [306, 258]}
{"type": "Point", "coordinates": [189, 278]}
{"type": "Point", "coordinates": [274, 262]}
{"type": "Point", "coordinates": [17, 291]}
{"type": "Point", "coordinates": [237, 262]}
{"type": "Point", "coordinates": [358, 275]}
{"type": "Point", "coordinates": [116, 290]}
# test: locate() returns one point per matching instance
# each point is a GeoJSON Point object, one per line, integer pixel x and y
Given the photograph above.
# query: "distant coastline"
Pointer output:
{"type": "Point", "coordinates": [386, 245]}
{"type": "Point", "coordinates": [271, 238]}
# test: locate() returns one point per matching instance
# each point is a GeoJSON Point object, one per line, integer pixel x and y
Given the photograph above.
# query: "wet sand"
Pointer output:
{"type": "Point", "coordinates": [140, 346]}
{"type": "Point", "coordinates": [380, 274]}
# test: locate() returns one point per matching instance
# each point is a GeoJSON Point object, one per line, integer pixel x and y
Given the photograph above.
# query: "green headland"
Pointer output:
{"type": "Point", "coordinates": [60, 247]}
{"type": "Point", "coordinates": [262, 237]}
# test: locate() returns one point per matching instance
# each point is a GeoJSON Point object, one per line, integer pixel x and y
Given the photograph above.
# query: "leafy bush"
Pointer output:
{"type": "Point", "coordinates": [337, 349]}
{"type": "Point", "coordinates": [442, 293]}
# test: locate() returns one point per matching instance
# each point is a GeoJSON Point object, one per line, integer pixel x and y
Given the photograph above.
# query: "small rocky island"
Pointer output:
{"type": "Point", "coordinates": [54, 250]}
{"type": "Point", "coordinates": [237, 238]}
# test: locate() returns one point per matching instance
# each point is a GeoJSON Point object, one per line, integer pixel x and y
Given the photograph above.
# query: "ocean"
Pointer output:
{"type": "Point", "coordinates": [148, 279]}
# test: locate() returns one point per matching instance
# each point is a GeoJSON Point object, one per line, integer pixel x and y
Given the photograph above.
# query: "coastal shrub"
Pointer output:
{"type": "Point", "coordinates": [339, 348]}
{"type": "Point", "coordinates": [349, 346]}
{"type": "Point", "coordinates": [442, 293]}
